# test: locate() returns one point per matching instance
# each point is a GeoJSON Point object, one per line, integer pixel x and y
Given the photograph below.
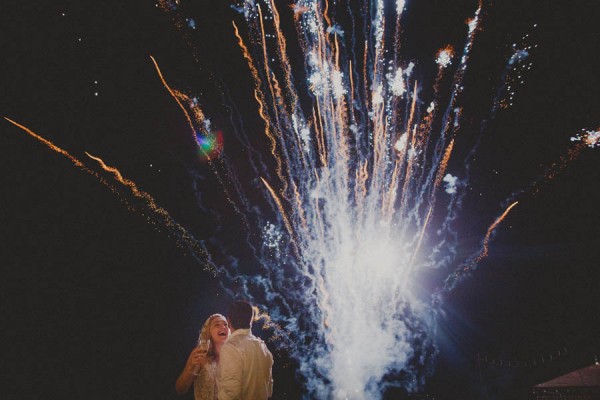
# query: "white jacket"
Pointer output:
{"type": "Point", "coordinates": [245, 365]}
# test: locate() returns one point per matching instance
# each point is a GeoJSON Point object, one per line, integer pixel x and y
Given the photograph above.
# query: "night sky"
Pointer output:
{"type": "Point", "coordinates": [98, 303]}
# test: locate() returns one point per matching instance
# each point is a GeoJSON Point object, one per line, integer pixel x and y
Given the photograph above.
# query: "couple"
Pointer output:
{"type": "Point", "coordinates": [236, 366]}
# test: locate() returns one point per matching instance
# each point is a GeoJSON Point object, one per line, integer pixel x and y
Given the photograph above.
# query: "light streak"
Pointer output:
{"type": "Point", "coordinates": [178, 96]}
{"type": "Point", "coordinates": [160, 217]}
{"type": "Point", "coordinates": [280, 207]}
{"type": "Point", "coordinates": [491, 229]}
{"type": "Point", "coordinates": [354, 202]}
{"type": "Point", "coordinates": [53, 147]}
{"type": "Point", "coordinates": [355, 250]}
{"type": "Point", "coordinates": [465, 269]}
{"type": "Point", "coordinates": [199, 121]}
{"type": "Point", "coordinates": [358, 193]}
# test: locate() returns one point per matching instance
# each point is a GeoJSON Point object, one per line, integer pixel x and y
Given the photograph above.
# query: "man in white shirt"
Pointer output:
{"type": "Point", "coordinates": [245, 361]}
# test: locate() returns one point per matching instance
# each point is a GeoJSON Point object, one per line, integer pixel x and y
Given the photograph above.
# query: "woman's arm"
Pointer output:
{"type": "Point", "coordinates": [195, 362]}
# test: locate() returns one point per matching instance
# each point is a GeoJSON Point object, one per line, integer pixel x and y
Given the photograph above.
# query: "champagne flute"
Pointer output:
{"type": "Point", "coordinates": [204, 346]}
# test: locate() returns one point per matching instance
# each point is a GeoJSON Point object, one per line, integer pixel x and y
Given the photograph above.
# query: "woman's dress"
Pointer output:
{"type": "Point", "coordinates": [205, 384]}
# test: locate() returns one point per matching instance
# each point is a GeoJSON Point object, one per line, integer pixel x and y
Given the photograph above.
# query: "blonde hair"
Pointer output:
{"type": "Point", "coordinates": [205, 334]}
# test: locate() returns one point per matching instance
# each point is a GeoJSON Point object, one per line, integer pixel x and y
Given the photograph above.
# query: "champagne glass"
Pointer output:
{"type": "Point", "coordinates": [204, 346]}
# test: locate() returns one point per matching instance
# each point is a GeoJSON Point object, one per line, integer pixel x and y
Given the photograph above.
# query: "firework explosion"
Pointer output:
{"type": "Point", "coordinates": [356, 179]}
{"type": "Point", "coordinates": [356, 200]}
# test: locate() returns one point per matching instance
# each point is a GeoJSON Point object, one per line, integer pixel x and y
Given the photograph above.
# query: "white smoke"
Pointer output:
{"type": "Point", "coordinates": [450, 183]}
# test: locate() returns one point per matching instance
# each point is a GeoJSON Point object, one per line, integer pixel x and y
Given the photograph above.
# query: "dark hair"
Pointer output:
{"type": "Point", "coordinates": [240, 314]}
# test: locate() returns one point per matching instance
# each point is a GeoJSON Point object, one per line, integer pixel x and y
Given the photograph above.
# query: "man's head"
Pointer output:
{"type": "Point", "coordinates": [240, 315]}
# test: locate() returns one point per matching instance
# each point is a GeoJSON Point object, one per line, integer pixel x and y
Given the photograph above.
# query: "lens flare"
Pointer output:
{"type": "Point", "coordinates": [354, 199]}
{"type": "Point", "coordinates": [355, 191]}
{"type": "Point", "coordinates": [210, 145]}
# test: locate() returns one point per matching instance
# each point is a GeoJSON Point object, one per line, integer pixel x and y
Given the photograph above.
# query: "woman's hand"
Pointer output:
{"type": "Point", "coordinates": [197, 359]}
{"type": "Point", "coordinates": [195, 362]}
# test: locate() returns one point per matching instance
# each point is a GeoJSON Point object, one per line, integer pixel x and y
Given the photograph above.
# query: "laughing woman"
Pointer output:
{"type": "Point", "coordinates": [201, 366]}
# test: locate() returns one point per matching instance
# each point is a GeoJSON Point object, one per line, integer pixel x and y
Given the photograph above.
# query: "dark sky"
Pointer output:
{"type": "Point", "coordinates": [96, 302]}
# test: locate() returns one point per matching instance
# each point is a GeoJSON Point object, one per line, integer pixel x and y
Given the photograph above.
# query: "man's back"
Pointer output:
{"type": "Point", "coordinates": [245, 368]}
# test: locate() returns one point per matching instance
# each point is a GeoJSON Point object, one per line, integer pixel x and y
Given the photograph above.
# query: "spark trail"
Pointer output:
{"type": "Point", "coordinates": [341, 179]}
{"type": "Point", "coordinates": [158, 216]}
{"type": "Point", "coordinates": [352, 208]}
{"type": "Point", "coordinates": [355, 189]}
{"type": "Point", "coordinates": [356, 182]}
